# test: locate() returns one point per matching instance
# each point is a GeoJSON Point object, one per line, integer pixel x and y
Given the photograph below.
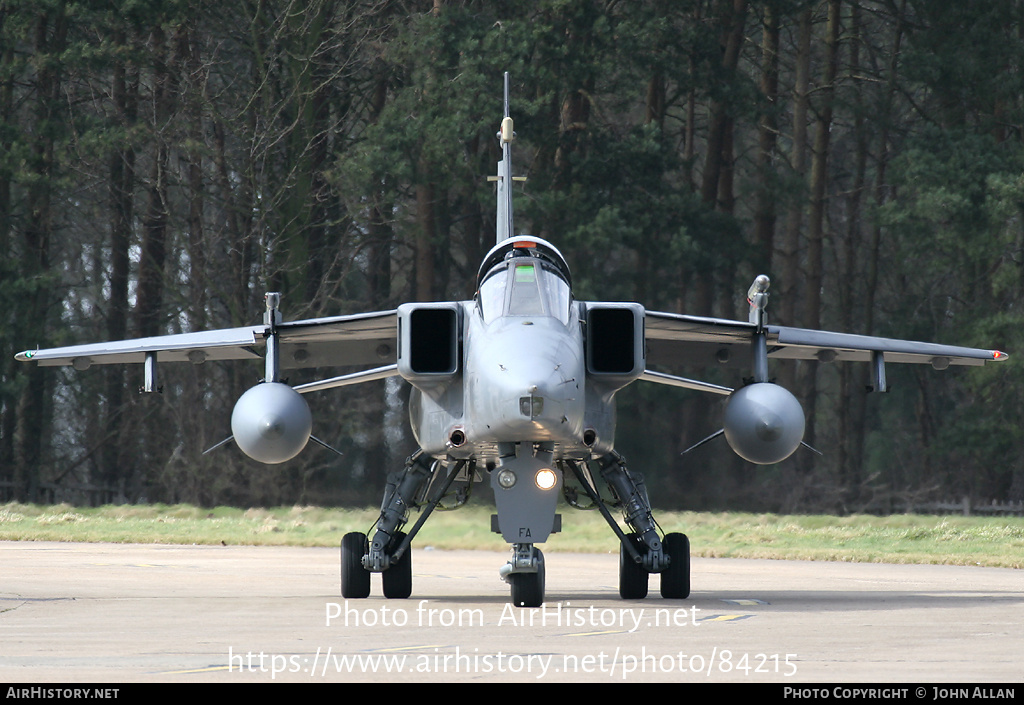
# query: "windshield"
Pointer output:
{"type": "Point", "coordinates": [524, 286]}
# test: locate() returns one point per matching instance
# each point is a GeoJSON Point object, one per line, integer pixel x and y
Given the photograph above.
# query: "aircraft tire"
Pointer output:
{"type": "Point", "coordinates": [675, 581]}
{"type": "Point", "coordinates": [355, 579]}
{"type": "Point", "coordinates": [397, 579]}
{"type": "Point", "coordinates": [632, 576]}
{"type": "Point", "coordinates": [528, 588]}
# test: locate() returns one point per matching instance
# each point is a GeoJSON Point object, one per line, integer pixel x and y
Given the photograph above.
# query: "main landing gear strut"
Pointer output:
{"type": "Point", "coordinates": [388, 553]}
{"type": "Point", "coordinates": [641, 551]}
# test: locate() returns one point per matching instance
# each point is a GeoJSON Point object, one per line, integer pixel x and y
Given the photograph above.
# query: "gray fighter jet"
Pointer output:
{"type": "Point", "coordinates": [516, 387]}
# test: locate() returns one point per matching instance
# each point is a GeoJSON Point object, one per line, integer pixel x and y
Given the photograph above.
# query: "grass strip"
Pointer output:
{"type": "Point", "coordinates": [954, 540]}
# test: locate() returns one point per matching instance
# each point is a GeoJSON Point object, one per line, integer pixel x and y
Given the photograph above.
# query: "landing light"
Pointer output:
{"type": "Point", "coordinates": [506, 479]}
{"type": "Point", "coordinates": [545, 479]}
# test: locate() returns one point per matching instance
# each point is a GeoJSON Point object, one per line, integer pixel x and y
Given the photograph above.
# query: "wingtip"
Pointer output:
{"type": "Point", "coordinates": [999, 355]}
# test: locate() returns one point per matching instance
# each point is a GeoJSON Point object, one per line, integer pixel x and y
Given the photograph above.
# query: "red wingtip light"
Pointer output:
{"type": "Point", "coordinates": [999, 355]}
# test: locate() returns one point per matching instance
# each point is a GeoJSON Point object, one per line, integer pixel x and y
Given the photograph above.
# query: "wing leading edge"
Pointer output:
{"type": "Point", "coordinates": [682, 339]}
{"type": "Point", "coordinates": [359, 339]}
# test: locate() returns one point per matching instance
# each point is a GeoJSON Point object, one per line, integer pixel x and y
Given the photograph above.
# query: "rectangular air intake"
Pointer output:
{"type": "Point", "coordinates": [428, 340]}
{"type": "Point", "coordinates": [615, 339]}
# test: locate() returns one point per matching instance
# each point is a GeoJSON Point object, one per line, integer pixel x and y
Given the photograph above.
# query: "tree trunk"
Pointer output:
{"type": "Point", "coordinates": [717, 161]}
{"type": "Point", "coordinates": [767, 137]}
{"type": "Point", "coordinates": [816, 219]}
{"type": "Point", "coordinates": [788, 265]}
{"type": "Point", "coordinates": [124, 90]}
{"type": "Point", "coordinates": [149, 301]}
{"type": "Point", "coordinates": [8, 420]}
{"type": "Point", "coordinates": [378, 268]}
{"type": "Point", "coordinates": [50, 41]}
{"type": "Point", "coordinates": [425, 235]}
{"type": "Point", "coordinates": [851, 412]}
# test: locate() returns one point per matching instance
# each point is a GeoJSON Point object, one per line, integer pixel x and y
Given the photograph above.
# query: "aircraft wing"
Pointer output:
{"type": "Point", "coordinates": [360, 339]}
{"type": "Point", "coordinates": [694, 340]}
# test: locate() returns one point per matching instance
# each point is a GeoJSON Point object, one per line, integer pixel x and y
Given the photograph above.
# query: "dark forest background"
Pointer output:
{"type": "Point", "coordinates": [164, 163]}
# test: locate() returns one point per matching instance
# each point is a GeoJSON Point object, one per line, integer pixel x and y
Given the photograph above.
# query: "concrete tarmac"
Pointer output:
{"type": "Point", "coordinates": [115, 613]}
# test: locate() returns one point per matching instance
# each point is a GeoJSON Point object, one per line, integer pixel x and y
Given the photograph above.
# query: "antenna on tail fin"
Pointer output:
{"type": "Point", "coordinates": [506, 113]}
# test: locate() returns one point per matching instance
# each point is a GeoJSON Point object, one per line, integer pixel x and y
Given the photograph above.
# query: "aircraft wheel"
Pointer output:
{"type": "Point", "coordinates": [397, 579]}
{"type": "Point", "coordinates": [675, 582]}
{"type": "Point", "coordinates": [632, 576]}
{"type": "Point", "coordinates": [355, 579]}
{"type": "Point", "coordinates": [528, 588]}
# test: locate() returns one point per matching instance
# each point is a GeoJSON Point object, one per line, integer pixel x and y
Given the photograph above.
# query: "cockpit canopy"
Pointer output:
{"type": "Point", "coordinates": [524, 276]}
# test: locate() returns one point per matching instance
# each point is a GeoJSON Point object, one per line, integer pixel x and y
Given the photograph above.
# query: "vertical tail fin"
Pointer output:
{"type": "Point", "coordinates": [505, 137]}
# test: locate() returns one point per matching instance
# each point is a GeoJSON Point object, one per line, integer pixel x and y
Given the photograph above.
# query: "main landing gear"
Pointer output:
{"type": "Point", "coordinates": [641, 551]}
{"type": "Point", "coordinates": [675, 577]}
{"type": "Point", "coordinates": [388, 553]}
{"type": "Point", "coordinates": [355, 579]}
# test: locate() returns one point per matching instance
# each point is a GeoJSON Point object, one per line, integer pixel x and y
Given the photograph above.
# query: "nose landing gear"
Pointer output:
{"type": "Point", "coordinates": [525, 575]}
